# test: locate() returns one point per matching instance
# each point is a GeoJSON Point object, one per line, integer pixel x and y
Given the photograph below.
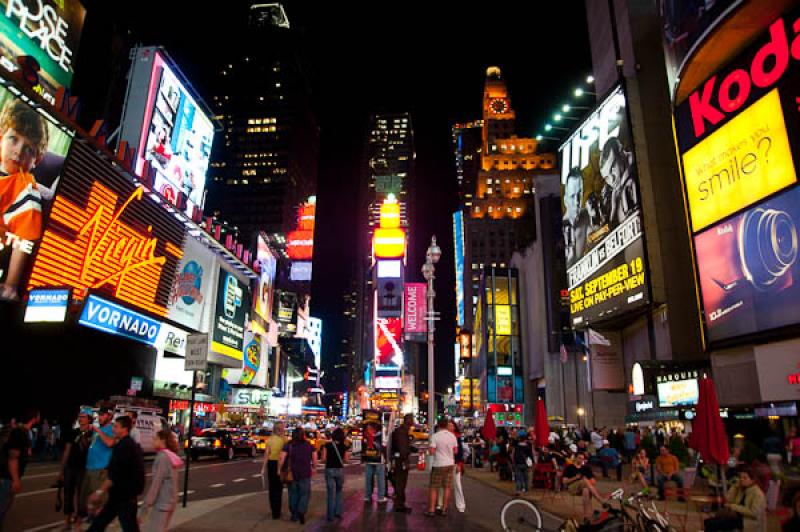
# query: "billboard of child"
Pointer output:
{"type": "Point", "coordinates": [28, 178]}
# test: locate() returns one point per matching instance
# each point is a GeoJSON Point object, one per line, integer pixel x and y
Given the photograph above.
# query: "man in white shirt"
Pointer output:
{"type": "Point", "coordinates": [443, 446]}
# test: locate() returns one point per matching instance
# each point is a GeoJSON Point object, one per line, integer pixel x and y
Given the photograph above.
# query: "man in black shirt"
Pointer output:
{"type": "Point", "coordinates": [125, 481]}
{"type": "Point", "coordinates": [579, 480]}
{"type": "Point", "coordinates": [14, 455]}
{"type": "Point", "coordinates": [401, 450]}
{"type": "Point", "coordinates": [73, 464]}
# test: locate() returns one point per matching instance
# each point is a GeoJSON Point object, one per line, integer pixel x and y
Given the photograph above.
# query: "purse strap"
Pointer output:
{"type": "Point", "coordinates": [338, 454]}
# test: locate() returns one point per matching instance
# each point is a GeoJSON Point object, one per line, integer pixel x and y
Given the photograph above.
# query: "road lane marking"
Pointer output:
{"type": "Point", "coordinates": [216, 485]}
{"type": "Point", "coordinates": [45, 527]}
{"type": "Point", "coordinates": [239, 479]}
{"type": "Point", "coordinates": [187, 492]}
{"type": "Point", "coordinates": [256, 475]}
{"type": "Point", "coordinates": [37, 492]}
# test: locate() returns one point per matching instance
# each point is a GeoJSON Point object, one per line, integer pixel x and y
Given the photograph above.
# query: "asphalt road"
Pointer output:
{"type": "Point", "coordinates": [34, 507]}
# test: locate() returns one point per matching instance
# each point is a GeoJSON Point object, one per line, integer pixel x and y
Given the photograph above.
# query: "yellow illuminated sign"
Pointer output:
{"type": "Point", "coordinates": [502, 315]}
{"type": "Point", "coordinates": [744, 161]}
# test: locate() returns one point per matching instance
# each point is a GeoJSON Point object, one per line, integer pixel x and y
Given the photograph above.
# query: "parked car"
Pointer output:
{"type": "Point", "coordinates": [225, 443]}
{"type": "Point", "coordinates": [418, 432]}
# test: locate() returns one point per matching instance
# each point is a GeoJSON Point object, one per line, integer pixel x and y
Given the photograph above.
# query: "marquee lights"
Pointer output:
{"type": "Point", "coordinates": [566, 108]}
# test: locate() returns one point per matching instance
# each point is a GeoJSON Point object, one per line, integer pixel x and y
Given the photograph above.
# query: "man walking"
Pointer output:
{"type": "Point", "coordinates": [443, 446]}
{"type": "Point", "coordinates": [125, 481]}
{"type": "Point", "coordinates": [401, 450]}
{"type": "Point", "coordinates": [14, 455]}
{"type": "Point", "coordinates": [73, 470]}
{"type": "Point", "coordinates": [98, 457]}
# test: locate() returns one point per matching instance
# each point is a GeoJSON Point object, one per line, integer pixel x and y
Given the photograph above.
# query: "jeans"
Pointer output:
{"type": "Point", "coordinates": [521, 477]}
{"type": "Point", "coordinates": [6, 498]}
{"type": "Point", "coordinates": [72, 488]}
{"type": "Point", "coordinates": [334, 481]}
{"type": "Point", "coordinates": [400, 479]}
{"type": "Point", "coordinates": [125, 510]}
{"type": "Point", "coordinates": [275, 488]}
{"type": "Point", "coordinates": [662, 479]}
{"type": "Point", "coordinates": [379, 471]}
{"type": "Point", "coordinates": [299, 495]}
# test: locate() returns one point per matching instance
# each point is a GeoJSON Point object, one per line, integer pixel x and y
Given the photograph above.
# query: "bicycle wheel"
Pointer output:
{"type": "Point", "coordinates": [520, 515]}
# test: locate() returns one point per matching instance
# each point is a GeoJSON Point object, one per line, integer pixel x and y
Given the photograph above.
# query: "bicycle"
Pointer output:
{"type": "Point", "coordinates": [520, 515]}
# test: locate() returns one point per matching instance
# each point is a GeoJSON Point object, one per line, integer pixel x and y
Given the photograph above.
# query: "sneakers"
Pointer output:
{"type": "Point", "coordinates": [383, 500]}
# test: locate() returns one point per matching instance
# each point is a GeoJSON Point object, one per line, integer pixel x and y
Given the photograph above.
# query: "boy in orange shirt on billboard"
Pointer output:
{"type": "Point", "coordinates": [23, 142]}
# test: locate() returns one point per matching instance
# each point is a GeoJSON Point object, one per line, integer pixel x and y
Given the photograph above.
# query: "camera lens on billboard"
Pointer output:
{"type": "Point", "coordinates": [767, 246]}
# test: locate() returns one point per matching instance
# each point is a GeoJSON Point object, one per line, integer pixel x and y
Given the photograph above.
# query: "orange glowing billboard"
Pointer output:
{"type": "Point", "coordinates": [106, 235]}
{"type": "Point", "coordinates": [389, 243]}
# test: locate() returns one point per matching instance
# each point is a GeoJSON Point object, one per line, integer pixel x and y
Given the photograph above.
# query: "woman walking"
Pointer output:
{"type": "Point", "coordinates": [272, 455]}
{"type": "Point", "coordinates": [162, 497]}
{"type": "Point", "coordinates": [299, 459]}
{"type": "Point", "coordinates": [335, 454]}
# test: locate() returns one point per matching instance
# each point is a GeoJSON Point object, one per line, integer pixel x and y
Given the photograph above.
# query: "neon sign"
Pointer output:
{"type": "Point", "coordinates": [108, 237]}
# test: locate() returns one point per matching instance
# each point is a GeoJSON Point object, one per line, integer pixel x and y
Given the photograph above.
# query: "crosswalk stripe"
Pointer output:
{"type": "Point", "coordinates": [216, 485]}
{"type": "Point", "coordinates": [239, 479]}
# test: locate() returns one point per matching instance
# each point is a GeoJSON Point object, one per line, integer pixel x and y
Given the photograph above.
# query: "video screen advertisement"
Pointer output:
{"type": "Point", "coordinates": [602, 220]}
{"type": "Point", "coordinates": [48, 31]}
{"type": "Point", "coordinates": [169, 129]}
{"type": "Point", "coordinates": [738, 142]}
{"type": "Point", "coordinates": [106, 236]}
{"type": "Point", "coordinates": [230, 319]}
{"type": "Point", "coordinates": [267, 267]}
{"type": "Point", "coordinates": [32, 153]}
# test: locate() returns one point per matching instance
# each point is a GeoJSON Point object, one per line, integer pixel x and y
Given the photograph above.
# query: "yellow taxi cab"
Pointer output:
{"type": "Point", "coordinates": [418, 432]}
{"type": "Point", "coordinates": [260, 436]}
{"type": "Point", "coordinates": [316, 438]}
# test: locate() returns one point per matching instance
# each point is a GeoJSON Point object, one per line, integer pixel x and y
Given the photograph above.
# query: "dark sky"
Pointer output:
{"type": "Point", "coordinates": [378, 56]}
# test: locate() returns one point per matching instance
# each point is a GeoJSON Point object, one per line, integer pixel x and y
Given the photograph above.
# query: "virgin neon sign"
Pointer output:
{"type": "Point", "coordinates": [106, 253]}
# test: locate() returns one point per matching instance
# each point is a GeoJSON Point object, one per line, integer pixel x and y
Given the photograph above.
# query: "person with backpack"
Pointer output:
{"type": "Point", "coordinates": [15, 451]}
{"type": "Point", "coordinates": [372, 454]}
{"type": "Point", "coordinates": [162, 497]}
{"type": "Point", "coordinates": [335, 454]}
{"type": "Point", "coordinates": [124, 483]}
{"type": "Point", "coordinates": [73, 464]}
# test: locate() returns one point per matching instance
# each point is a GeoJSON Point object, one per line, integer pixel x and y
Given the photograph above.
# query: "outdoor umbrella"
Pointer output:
{"type": "Point", "coordinates": [489, 431]}
{"type": "Point", "coordinates": [708, 436]}
{"type": "Point", "coordinates": [541, 426]}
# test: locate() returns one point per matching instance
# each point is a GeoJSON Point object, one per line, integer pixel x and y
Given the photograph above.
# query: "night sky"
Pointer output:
{"type": "Point", "coordinates": [368, 57]}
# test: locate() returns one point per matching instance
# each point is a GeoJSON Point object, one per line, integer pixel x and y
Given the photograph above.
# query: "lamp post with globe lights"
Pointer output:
{"type": "Point", "coordinates": [432, 256]}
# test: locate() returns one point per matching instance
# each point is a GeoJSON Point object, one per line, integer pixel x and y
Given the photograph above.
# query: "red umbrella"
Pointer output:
{"type": "Point", "coordinates": [541, 426]}
{"type": "Point", "coordinates": [489, 430]}
{"type": "Point", "coordinates": [708, 433]}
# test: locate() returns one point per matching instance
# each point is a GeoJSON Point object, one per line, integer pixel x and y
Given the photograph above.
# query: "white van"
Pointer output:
{"type": "Point", "coordinates": [149, 421]}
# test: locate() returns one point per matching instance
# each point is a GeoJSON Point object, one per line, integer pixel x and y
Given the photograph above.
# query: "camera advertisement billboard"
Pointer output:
{"type": "Point", "coordinates": [169, 129]}
{"type": "Point", "coordinates": [748, 268]}
{"type": "Point", "coordinates": [602, 222]}
{"type": "Point", "coordinates": [737, 139]}
{"type": "Point", "coordinates": [31, 160]}
{"type": "Point", "coordinates": [49, 31]}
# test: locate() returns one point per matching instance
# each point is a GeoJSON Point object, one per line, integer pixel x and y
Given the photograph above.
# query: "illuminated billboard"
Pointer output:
{"type": "Point", "coordinates": [678, 393]}
{"type": "Point", "coordinates": [458, 241]}
{"type": "Point", "coordinates": [105, 235]}
{"type": "Point", "coordinates": [267, 265]}
{"type": "Point", "coordinates": [31, 163]}
{"type": "Point", "coordinates": [48, 31]}
{"type": "Point", "coordinates": [735, 135]}
{"type": "Point", "coordinates": [47, 305]}
{"type": "Point", "coordinates": [389, 243]}
{"type": "Point", "coordinates": [602, 219]}
{"type": "Point", "coordinates": [416, 308]}
{"type": "Point", "coordinates": [749, 272]}
{"type": "Point", "coordinates": [388, 342]}
{"type": "Point", "coordinates": [168, 128]}
{"type": "Point", "coordinates": [193, 287]}
{"type": "Point", "coordinates": [254, 369]}
{"type": "Point", "coordinates": [230, 318]}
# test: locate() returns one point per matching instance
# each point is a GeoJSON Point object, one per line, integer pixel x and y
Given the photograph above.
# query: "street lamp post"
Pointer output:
{"type": "Point", "coordinates": [432, 256]}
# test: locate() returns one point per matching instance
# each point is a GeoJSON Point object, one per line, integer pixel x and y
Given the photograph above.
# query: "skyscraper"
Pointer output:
{"type": "Point", "coordinates": [264, 163]}
{"type": "Point", "coordinates": [497, 198]}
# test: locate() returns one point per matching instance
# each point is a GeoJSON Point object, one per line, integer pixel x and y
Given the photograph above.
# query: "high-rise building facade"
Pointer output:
{"type": "Point", "coordinates": [497, 190]}
{"type": "Point", "coordinates": [264, 163]}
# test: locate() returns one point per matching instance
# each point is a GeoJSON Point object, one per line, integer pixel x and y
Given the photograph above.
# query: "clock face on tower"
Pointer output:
{"type": "Point", "coordinates": [498, 105]}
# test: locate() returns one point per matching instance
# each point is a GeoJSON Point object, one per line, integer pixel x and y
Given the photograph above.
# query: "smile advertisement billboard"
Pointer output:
{"type": "Point", "coordinates": [602, 220]}
{"type": "Point", "coordinates": [737, 139]}
{"type": "Point", "coordinates": [49, 31]}
{"type": "Point", "coordinates": [32, 152]}
{"type": "Point", "coordinates": [168, 127]}
{"type": "Point", "coordinates": [106, 236]}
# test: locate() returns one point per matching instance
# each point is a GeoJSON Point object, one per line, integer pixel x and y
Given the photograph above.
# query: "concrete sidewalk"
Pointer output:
{"type": "Point", "coordinates": [687, 515]}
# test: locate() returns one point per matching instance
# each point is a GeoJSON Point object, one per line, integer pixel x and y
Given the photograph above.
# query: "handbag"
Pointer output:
{"type": "Point", "coordinates": [529, 461]}
{"type": "Point", "coordinates": [286, 470]}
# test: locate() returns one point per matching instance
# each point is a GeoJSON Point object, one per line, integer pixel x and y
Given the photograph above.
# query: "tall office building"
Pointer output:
{"type": "Point", "coordinates": [497, 184]}
{"type": "Point", "coordinates": [264, 163]}
{"type": "Point", "coordinates": [388, 170]}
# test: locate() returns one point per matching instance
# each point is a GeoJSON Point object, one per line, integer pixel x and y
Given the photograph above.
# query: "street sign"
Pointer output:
{"type": "Point", "coordinates": [196, 352]}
